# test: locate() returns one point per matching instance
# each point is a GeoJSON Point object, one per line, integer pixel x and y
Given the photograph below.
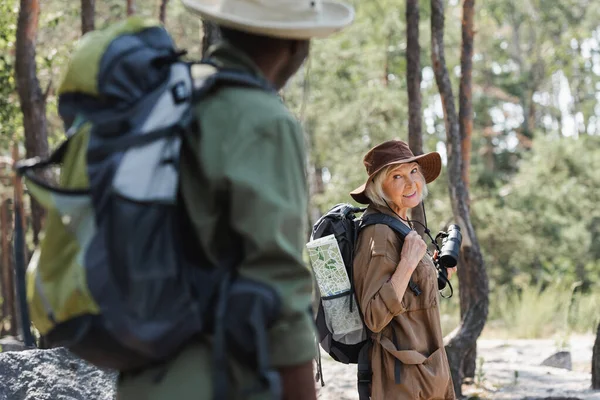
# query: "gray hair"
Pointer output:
{"type": "Point", "coordinates": [374, 190]}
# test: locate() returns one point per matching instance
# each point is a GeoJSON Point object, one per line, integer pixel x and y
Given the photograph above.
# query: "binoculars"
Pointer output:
{"type": "Point", "coordinates": [449, 252]}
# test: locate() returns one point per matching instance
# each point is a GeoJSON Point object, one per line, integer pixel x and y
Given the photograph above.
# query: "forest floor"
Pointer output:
{"type": "Point", "coordinates": [507, 369]}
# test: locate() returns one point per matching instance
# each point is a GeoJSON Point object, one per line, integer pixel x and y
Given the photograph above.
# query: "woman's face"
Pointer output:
{"type": "Point", "coordinates": [404, 185]}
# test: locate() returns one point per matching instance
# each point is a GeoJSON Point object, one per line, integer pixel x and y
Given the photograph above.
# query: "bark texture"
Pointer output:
{"type": "Point", "coordinates": [32, 100]}
{"type": "Point", "coordinates": [465, 121]}
{"type": "Point", "coordinates": [466, 83]}
{"type": "Point", "coordinates": [87, 16]}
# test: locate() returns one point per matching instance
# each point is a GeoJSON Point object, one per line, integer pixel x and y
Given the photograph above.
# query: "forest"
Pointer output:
{"type": "Point", "coordinates": [508, 92]}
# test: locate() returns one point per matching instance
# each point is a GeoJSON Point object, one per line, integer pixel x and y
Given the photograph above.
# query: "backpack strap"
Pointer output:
{"type": "Point", "coordinates": [398, 227]}
{"type": "Point", "coordinates": [365, 373]}
{"type": "Point", "coordinates": [383, 219]}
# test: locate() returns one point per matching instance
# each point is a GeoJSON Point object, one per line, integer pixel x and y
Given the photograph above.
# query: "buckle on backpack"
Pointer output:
{"type": "Point", "coordinates": [364, 376]}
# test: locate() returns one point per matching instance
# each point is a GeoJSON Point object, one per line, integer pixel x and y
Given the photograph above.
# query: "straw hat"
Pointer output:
{"type": "Point", "coordinates": [287, 19]}
{"type": "Point", "coordinates": [396, 152]}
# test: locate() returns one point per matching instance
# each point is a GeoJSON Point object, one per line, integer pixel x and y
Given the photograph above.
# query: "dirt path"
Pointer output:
{"type": "Point", "coordinates": [510, 369]}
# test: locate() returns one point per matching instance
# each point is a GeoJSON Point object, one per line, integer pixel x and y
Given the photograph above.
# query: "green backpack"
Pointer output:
{"type": "Point", "coordinates": [112, 280]}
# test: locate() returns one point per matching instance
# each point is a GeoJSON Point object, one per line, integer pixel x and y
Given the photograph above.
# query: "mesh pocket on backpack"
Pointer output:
{"type": "Point", "coordinates": [345, 325]}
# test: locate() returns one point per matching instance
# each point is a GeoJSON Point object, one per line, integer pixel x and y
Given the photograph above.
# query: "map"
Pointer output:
{"type": "Point", "coordinates": [332, 278]}
{"type": "Point", "coordinates": [328, 265]}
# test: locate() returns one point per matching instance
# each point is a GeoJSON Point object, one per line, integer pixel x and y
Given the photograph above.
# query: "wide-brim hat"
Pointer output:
{"type": "Point", "coordinates": [287, 19]}
{"type": "Point", "coordinates": [396, 152]}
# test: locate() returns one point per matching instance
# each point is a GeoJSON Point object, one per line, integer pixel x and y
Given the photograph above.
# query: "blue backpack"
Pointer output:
{"type": "Point", "coordinates": [112, 279]}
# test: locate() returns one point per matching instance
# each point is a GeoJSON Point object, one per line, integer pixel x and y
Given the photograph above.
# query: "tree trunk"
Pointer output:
{"type": "Point", "coordinates": [471, 274]}
{"type": "Point", "coordinates": [130, 7]}
{"type": "Point", "coordinates": [413, 80]}
{"type": "Point", "coordinates": [9, 310]}
{"type": "Point", "coordinates": [465, 116]}
{"type": "Point", "coordinates": [162, 11]}
{"type": "Point", "coordinates": [87, 16]}
{"type": "Point", "coordinates": [466, 83]}
{"type": "Point", "coordinates": [18, 190]}
{"type": "Point", "coordinates": [211, 35]}
{"type": "Point", "coordinates": [32, 101]}
{"type": "Point", "coordinates": [596, 362]}
{"type": "Point", "coordinates": [469, 359]}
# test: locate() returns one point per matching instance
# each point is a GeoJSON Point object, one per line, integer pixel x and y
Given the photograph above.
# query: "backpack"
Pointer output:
{"type": "Point", "coordinates": [340, 327]}
{"type": "Point", "coordinates": [111, 279]}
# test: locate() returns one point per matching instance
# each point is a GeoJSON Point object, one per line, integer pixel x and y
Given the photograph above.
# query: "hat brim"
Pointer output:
{"type": "Point", "coordinates": [334, 17]}
{"type": "Point", "coordinates": [431, 166]}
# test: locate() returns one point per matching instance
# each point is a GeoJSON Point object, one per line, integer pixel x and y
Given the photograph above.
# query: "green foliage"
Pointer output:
{"type": "Point", "coordinates": [352, 95]}
{"type": "Point", "coordinates": [10, 117]}
{"type": "Point", "coordinates": [533, 191]}
{"type": "Point", "coordinates": [544, 225]}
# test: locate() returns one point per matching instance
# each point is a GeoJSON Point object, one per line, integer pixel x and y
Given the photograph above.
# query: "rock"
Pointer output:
{"type": "Point", "coordinates": [9, 343]}
{"type": "Point", "coordinates": [52, 374]}
{"type": "Point", "coordinates": [562, 359]}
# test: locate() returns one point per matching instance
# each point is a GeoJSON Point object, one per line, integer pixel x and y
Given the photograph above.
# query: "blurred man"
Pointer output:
{"type": "Point", "coordinates": [243, 187]}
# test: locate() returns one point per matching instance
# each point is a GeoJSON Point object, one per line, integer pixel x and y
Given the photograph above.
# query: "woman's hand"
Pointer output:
{"type": "Point", "coordinates": [413, 249]}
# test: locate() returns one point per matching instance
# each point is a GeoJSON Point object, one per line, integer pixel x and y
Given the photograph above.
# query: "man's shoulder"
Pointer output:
{"type": "Point", "coordinates": [248, 107]}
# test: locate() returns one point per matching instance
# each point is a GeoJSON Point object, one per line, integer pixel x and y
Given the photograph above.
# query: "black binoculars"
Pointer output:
{"type": "Point", "coordinates": [449, 252]}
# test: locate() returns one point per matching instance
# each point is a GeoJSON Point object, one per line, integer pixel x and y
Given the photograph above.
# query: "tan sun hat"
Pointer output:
{"type": "Point", "coordinates": [287, 19]}
{"type": "Point", "coordinates": [395, 152]}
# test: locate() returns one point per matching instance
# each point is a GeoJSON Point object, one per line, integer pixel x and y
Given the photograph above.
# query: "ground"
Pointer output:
{"type": "Point", "coordinates": [507, 369]}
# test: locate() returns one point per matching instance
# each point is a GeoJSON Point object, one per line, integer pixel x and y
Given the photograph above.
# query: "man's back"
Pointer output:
{"type": "Point", "coordinates": [244, 192]}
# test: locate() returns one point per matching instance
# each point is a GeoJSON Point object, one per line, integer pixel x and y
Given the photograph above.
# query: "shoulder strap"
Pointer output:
{"type": "Point", "coordinates": [379, 218]}
{"type": "Point", "coordinates": [208, 77]}
{"type": "Point", "coordinates": [397, 226]}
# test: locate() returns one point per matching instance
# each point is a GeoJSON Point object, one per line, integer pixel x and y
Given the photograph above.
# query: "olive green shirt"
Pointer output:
{"type": "Point", "coordinates": [248, 156]}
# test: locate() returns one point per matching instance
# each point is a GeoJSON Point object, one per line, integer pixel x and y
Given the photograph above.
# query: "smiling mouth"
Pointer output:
{"type": "Point", "coordinates": [410, 195]}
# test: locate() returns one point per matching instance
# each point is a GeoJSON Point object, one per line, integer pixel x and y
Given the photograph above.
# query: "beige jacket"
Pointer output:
{"type": "Point", "coordinates": [405, 328]}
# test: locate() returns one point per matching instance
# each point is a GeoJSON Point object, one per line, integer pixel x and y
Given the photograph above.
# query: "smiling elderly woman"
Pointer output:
{"type": "Point", "coordinates": [408, 359]}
